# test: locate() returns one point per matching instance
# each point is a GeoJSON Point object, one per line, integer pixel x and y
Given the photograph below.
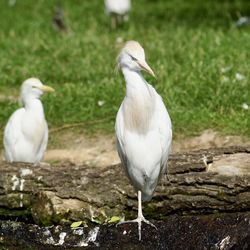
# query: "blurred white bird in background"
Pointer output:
{"type": "Point", "coordinates": [118, 10]}
{"type": "Point", "coordinates": [26, 133]}
{"type": "Point", "coordinates": [59, 19]}
{"type": "Point", "coordinates": [143, 128]}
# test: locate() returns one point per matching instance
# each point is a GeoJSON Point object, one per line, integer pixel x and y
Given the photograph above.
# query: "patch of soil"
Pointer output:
{"type": "Point", "coordinates": [101, 150]}
{"type": "Point", "coordinates": [224, 231]}
{"type": "Point", "coordinates": [97, 151]}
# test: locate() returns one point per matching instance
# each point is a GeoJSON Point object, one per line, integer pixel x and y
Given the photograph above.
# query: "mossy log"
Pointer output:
{"type": "Point", "coordinates": [205, 181]}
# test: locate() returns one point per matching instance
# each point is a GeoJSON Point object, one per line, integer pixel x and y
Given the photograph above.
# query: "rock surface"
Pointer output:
{"type": "Point", "coordinates": [218, 232]}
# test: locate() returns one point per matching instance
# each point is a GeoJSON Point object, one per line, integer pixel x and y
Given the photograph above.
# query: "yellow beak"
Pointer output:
{"type": "Point", "coordinates": [46, 88]}
{"type": "Point", "coordinates": [146, 67]}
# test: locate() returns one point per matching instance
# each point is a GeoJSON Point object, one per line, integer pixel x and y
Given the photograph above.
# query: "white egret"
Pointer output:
{"type": "Point", "coordinates": [143, 128]}
{"type": "Point", "coordinates": [118, 10]}
{"type": "Point", "coordinates": [26, 133]}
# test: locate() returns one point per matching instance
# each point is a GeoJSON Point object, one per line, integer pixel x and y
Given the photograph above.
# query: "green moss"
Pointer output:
{"type": "Point", "coordinates": [223, 196]}
{"type": "Point", "coordinates": [15, 212]}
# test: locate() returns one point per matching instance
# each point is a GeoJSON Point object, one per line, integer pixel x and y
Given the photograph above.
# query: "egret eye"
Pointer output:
{"type": "Point", "coordinates": [133, 58]}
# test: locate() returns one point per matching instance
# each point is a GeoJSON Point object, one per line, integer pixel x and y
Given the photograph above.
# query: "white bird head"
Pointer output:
{"type": "Point", "coordinates": [132, 56]}
{"type": "Point", "coordinates": [33, 88]}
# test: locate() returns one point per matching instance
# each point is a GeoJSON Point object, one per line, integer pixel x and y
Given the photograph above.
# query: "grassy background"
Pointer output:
{"type": "Point", "coordinates": [193, 47]}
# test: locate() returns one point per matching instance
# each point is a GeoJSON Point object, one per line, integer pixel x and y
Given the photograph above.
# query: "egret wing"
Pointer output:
{"type": "Point", "coordinates": [165, 132]}
{"type": "Point", "coordinates": [12, 134]}
{"type": "Point", "coordinates": [43, 144]}
{"type": "Point", "coordinates": [119, 128]}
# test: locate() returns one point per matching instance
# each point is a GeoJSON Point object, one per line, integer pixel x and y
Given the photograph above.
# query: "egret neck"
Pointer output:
{"type": "Point", "coordinates": [138, 105]}
{"type": "Point", "coordinates": [35, 106]}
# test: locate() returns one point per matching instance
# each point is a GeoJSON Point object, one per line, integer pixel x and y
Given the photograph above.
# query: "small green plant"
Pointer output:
{"type": "Point", "coordinates": [114, 219]}
{"type": "Point", "coordinates": [76, 224]}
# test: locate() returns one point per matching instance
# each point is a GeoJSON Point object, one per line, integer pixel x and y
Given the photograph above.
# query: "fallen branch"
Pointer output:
{"type": "Point", "coordinates": [205, 181]}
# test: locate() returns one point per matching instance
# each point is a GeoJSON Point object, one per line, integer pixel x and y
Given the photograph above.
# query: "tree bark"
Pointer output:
{"type": "Point", "coordinates": [205, 181]}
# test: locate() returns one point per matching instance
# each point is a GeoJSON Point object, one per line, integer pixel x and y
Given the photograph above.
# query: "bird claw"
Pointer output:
{"type": "Point", "coordinates": [149, 223]}
{"type": "Point", "coordinates": [127, 221]}
{"type": "Point", "coordinates": [139, 220]}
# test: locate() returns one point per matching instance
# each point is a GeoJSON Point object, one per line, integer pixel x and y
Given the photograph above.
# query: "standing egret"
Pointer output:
{"type": "Point", "coordinates": [143, 128]}
{"type": "Point", "coordinates": [26, 133]}
{"type": "Point", "coordinates": [118, 10]}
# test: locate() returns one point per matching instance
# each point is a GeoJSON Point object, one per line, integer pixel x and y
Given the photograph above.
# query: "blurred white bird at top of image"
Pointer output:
{"type": "Point", "coordinates": [118, 10]}
{"type": "Point", "coordinates": [143, 128]}
{"type": "Point", "coordinates": [26, 133]}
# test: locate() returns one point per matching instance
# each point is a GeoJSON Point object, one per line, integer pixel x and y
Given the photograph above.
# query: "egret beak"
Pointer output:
{"type": "Point", "coordinates": [46, 88]}
{"type": "Point", "coordinates": [146, 67]}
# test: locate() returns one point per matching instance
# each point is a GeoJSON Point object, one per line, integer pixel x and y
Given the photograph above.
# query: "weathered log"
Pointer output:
{"type": "Point", "coordinates": [205, 181]}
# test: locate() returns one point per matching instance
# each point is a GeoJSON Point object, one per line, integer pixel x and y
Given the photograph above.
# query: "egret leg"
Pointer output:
{"type": "Point", "coordinates": [113, 22]}
{"type": "Point", "coordinates": [125, 18]}
{"type": "Point", "coordinates": [140, 217]}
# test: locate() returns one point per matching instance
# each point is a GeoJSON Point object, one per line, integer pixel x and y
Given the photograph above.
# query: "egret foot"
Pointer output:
{"type": "Point", "coordinates": [139, 219]}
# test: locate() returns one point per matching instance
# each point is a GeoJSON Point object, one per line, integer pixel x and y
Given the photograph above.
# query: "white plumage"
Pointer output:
{"type": "Point", "coordinates": [26, 133]}
{"type": "Point", "coordinates": [118, 9]}
{"type": "Point", "coordinates": [143, 127]}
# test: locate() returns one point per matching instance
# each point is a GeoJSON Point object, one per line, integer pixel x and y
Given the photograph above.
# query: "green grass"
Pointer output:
{"type": "Point", "coordinates": [187, 43]}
